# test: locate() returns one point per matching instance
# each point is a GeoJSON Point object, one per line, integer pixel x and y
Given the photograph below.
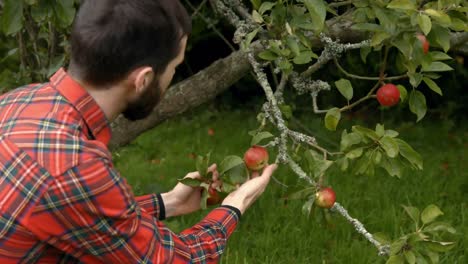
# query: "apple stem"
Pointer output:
{"type": "Point", "coordinates": [359, 227]}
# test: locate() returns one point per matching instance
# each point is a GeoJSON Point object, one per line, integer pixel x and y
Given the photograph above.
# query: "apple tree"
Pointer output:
{"type": "Point", "coordinates": [293, 39]}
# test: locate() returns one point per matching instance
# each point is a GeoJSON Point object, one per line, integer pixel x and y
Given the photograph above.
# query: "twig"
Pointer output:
{"type": "Point", "coordinates": [359, 227]}
{"type": "Point", "coordinates": [338, 4]}
{"type": "Point", "coordinates": [195, 11]}
{"type": "Point", "coordinates": [332, 50]}
{"type": "Point", "coordinates": [337, 63]}
{"type": "Point", "coordinates": [280, 88]}
{"type": "Point", "coordinates": [211, 25]}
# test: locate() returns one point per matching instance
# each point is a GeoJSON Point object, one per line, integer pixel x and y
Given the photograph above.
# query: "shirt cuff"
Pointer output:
{"type": "Point", "coordinates": [162, 208]}
{"type": "Point", "coordinates": [228, 217]}
{"type": "Point", "coordinates": [237, 211]}
{"type": "Point", "coordinates": [152, 204]}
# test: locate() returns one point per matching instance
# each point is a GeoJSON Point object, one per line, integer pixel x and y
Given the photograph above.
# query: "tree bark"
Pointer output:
{"type": "Point", "coordinates": [187, 94]}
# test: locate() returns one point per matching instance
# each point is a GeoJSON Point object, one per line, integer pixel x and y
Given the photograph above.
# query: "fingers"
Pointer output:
{"type": "Point", "coordinates": [254, 174]}
{"type": "Point", "coordinates": [214, 171]}
{"type": "Point", "coordinates": [193, 175]}
{"type": "Point", "coordinates": [268, 170]}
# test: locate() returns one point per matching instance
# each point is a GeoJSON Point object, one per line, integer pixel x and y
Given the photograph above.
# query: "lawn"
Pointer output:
{"type": "Point", "coordinates": [275, 231]}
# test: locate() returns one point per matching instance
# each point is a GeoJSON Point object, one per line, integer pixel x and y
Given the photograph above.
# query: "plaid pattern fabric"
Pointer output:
{"type": "Point", "coordinates": [61, 199]}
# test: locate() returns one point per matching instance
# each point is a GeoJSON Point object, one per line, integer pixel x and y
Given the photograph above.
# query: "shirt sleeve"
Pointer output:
{"type": "Point", "coordinates": [152, 204]}
{"type": "Point", "coordinates": [91, 214]}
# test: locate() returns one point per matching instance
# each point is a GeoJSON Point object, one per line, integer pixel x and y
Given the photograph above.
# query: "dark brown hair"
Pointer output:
{"type": "Point", "coordinates": [110, 38]}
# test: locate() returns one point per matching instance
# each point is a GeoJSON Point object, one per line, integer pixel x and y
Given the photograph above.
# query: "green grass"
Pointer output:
{"type": "Point", "coordinates": [273, 231]}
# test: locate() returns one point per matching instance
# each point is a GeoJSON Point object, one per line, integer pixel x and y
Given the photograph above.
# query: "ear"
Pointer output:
{"type": "Point", "coordinates": [143, 77]}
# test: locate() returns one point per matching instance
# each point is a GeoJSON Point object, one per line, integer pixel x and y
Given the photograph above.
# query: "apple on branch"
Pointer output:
{"type": "Point", "coordinates": [325, 198]}
{"type": "Point", "coordinates": [388, 95]}
{"type": "Point", "coordinates": [256, 158]}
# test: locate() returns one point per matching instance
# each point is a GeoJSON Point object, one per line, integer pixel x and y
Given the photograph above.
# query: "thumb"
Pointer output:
{"type": "Point", "coordinates": [268, 171]}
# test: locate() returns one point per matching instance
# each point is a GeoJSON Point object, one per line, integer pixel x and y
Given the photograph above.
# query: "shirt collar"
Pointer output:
{"type": "Point", "coordinates": [92, 114]}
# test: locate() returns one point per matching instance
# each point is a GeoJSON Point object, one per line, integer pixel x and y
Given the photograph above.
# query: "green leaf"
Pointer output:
{"type": "Point", "coordinates": [366, 132]}
{"type": "Point", "coordinates": [390, 146]}
{"type": "Point", "coordinates": [403, 45]}
{"type": "Point", "coordinates": [256, 3]}
{"type": "Point", "coordinates": [318, 13]}
{"type": "Point", "coordinates": [202, 165]}
{"type": "Point", "coordinates": [304, 57]}
{"type": "Point", "coordinates": [439, 246]}
{"type": "Point", "coordinates": [266, 6]}
{"type": "Point", "coordinates": [204, 198]}
{"type": "Point", "coordinates": [230, 162]}
{"type": "Point", "coordinates": [382, 238]}
{"type": "Point", "coordinates": [410, 154]}
{"type": "Point", "coordinates": [286, 110]}
{"type": "Point", "coordinates": [317, 165]}
{"type": "Point", "coordinates": [348, 140]}
{"type": "Point", "coordinates": [307, 207]}
{"type": "Point", "coordinates": [332, 119]}
{"type": "Point", "coordinates": [65, 12]}
{"type": "Point", "coordinates": [377, 157]}
{"type": "Point", "coordinates": [410, 257]}
{"type": "Point", "coordinates": [293, 45]}
{"type": "Point", "coordinates": [364, 52]}
{"type": "Point", "coordinates": [391, 166]}
{"type": "Point", "coordinates": [402, 4]}
{"type": "Point", "coordinates": [342, 163]}
{"type": "Point", "coordinates": [396, 246]}
{"type": "Point", "coordinates": [191, 182]}
{"type": "Point", "coordinates": [439, 227]}
{"type": "Point", "coordinates": [432, 85]}
{"type": "Point", "coordinates": [12, 16]}
{"type": "Point", "coordinates": [55, 64]}
{"type": "Point", "coordinates": [417, 103]}
{"type": "Point", "coordinates": [433, 256]}
{"type": "Point", "coordinates": [430, 213]}
{"type": "Point", "coordinates": [257, 18]}
{"type": "Point", "coordinates": [440, 16]}
{"type": "Point", "coordinates": [346, 88]}
{"type": "Point", "coordinates": [259, 137]}
{"type": "Point", "coordinates": [403, 92]}
{"type": "Point", "coordinates": [438, 56]}
{"type": "Point", "coordinates": [237, 175]}
{"type": "Point", "coordinates": [413, 212]}
{"type": "Point", "coordinates": [378, 38]}
{"type": "Point", "coordinates": [415, 78]}
{"type": "Point", "coordinates": [380, 130]}
{"type": "Point", "coordinates": [364, 165]}
{"type": "Point", "coordinates": [355, 153]}
{"type": "Point", "coordinates": [442, 36]}
{"type": "Point", "coordinates": [391, 133]}
{"type": "Point", "coordinates": [42, 11]}
{"type": "Point", "coordinates": [366, 27]}
{"type": "Point", "coordinates": [437, 66]}
{"type": "Point", "coordinates": [227, 187]}
{"type": "Point", "coordinates": [249, 38]}
{"type": "Point", "coordinates": [424, 23]}
{"type": "Point", "coordinates": [268, 55]}
{"type": "Point", "coordinates": [302, 194]}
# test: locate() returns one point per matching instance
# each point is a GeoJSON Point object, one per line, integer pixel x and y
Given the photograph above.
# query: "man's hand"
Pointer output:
{"type": "Point", "coordinates": [247, 193]}
{"type": "Point", "coordinates": [184, 199]}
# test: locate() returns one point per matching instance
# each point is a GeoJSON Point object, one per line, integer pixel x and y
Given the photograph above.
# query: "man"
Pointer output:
{"type": "Point", "coordinates": [61, 199]}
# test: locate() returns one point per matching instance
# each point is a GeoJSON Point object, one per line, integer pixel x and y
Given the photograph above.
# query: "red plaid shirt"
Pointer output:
{"type": "Point", "coordinates": [62, 200]}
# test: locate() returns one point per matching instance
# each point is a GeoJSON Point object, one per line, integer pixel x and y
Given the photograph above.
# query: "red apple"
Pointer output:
{"type": "Point", "coordinates": [424, 42]}
{"type": "Point", "coordinates": [211, 132]}
{"type": "Point", "coordinates": [256, 158]}
{"type": "Point", "coordinates": [325, 198]}
{"type": "Point", "coordinates": [388, 95]}
{"type": "Point", "coordinates": [213, 197]}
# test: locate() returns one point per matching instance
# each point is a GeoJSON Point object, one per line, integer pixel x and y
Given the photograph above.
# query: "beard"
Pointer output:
{"type": "Point", "coordinates": [144, 105]}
